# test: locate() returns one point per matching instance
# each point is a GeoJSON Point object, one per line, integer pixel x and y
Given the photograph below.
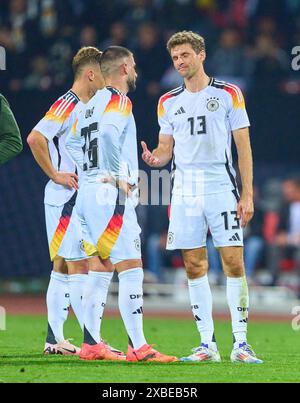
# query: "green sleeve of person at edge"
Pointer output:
{"type": "Point", "coordinates": [10, 137]}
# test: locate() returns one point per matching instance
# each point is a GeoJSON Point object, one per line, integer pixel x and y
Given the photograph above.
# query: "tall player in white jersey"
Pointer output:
{"type": "Point", "coordinates": [47, 142]}
{"type": "Point", "coordinates": [197, 122]}
{"type": "Point", "coordinates": [106, 208]}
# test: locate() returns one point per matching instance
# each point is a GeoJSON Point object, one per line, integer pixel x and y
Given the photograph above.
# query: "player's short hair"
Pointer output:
{"type": "Point", "coordinates": [111, 59]}
{"type": "Point", "coordinates": [180, 38]}
{"type": "Point", "coordinates": [84, 56]}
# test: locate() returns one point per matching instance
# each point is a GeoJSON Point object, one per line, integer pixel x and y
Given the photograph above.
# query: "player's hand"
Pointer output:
{"type": "Point", "coordinates": [148, 157]}
{"type": "Point", "coordinates": [120, 184]}
{"type": "Point", "coordinates": [67, 179]}
{"type": "Point", "coordinates": [245, 210]}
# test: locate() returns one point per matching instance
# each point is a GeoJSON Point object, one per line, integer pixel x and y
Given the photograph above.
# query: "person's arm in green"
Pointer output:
{"type": "Point", "coordinates": [10, 137]}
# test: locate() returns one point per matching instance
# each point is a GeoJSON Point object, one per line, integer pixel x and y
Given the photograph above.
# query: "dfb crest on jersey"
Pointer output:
{"type": "Point", "coordinates": [170, 238]}
{"type": "Point", "coordinates": [212, 104]}
{"type": "Point", "coordinates": [81, 245]}
{"type": "Point", "coordinates": [137, 244]}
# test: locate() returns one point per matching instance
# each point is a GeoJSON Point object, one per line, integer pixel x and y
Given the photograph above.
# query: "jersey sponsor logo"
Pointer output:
{"type": "Point", "coordinates": [235, 237]}
{"type": "Point", "coordinates": [180, 111]}
{"type": "Point", "coordinates": [212, 104]}
{"type": "Point", "coordinates": [160, 107]}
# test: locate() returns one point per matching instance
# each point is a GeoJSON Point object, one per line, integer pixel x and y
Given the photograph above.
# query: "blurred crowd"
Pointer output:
{"type": "Point", "coordinates": [248, 42]}
{"type": "Point", "coordinates": [246, 39]}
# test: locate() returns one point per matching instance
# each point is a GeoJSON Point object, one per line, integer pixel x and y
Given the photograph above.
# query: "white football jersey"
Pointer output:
{"type": "Point", "coordinates": [107, 107]}
{"type": "Point", "coordinates": [55, 126]}
{"type": "Point", "coordinates": [201, 124]}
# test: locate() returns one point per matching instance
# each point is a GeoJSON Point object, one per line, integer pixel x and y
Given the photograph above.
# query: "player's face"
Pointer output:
{"type": "Point", "coordinates": [186, 61]}
{"type": "Point", "coordinates": [132, 74]}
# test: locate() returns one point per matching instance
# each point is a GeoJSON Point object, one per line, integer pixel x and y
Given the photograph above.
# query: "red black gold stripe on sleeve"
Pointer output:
{"type": "Point", "coordinates": [111, 233]}
{"type": "Point", "coordinates": [62, 108]}
{"type": "Point", "coordinates": [62, 227]}
{"type": "Point", "coordinates": [165, 97]}
{"type": "Point", "coordinates": [234, 91]}
{"type": "Point", "coordinates": [119, 103]}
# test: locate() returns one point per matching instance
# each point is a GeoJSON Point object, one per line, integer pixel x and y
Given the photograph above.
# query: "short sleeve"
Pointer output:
{"type": "Point", "coordinates": [164, 124]}
{"type": "Point", "coordinates": [237, 114]}
{"type": "Point", "coordinates": [57, 120]}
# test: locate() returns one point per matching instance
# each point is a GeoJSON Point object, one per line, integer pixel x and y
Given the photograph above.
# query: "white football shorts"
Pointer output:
{"type": "Point", "coordinates": [64, 231]}
{"type": "Point", "coordinates": [111, 221]}
{"type": "Point", "coordinates": [192, 216]}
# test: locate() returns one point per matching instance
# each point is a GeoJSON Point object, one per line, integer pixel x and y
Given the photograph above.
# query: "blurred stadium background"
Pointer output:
{"type": "Point", "coordinates": [249, 43]}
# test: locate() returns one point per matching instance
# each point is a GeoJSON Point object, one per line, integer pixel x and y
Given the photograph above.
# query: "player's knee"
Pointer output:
{"type": "Point", "coordinates": [196, 268]}
{"type": "Point", "coordinates": [233, 266]}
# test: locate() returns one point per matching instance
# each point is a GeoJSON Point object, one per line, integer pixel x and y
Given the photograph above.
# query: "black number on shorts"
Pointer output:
{"type": "Point", "coordinates": [90, 147]}
{"type": "Point", "coordinates": [202, 125]}
{"type": "Point", "coordinates": [235, 218]}
{"type": "Point", "coordinates": [225, 215]}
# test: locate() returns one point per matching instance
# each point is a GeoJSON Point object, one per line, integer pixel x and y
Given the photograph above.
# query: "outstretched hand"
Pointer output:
{"type": "Point", "coordinates": [148, 157]}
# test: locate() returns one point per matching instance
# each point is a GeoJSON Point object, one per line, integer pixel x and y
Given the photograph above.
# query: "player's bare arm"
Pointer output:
{"type": "Point", "coordinates": [161, 155]}
{"type": "Point", "coordinates": [245, 209]}
{"type": "Point", "coordinates": [39, 148]}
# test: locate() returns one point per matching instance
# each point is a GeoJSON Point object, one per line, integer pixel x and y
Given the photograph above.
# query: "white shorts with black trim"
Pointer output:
{"type": "Point", "coordinates": [192, 216]}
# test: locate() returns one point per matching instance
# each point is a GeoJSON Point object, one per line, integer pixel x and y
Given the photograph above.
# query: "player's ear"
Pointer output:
{"type": "Point", "coordinates": [91, 75]}
{"type": "Point", "coordinates": [202, 55]}
{"type": "Point", "coordinates": [124, 68]}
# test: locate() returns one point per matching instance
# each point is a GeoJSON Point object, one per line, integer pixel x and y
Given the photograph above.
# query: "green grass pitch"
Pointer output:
{"type": "Point", "coordinates": [21, 359]}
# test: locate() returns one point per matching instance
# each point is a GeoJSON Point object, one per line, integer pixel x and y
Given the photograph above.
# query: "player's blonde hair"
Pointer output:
{"type": "Point", "coordinates": [84, 56]}
{"type": "Point", "coordinates": [180, 38]}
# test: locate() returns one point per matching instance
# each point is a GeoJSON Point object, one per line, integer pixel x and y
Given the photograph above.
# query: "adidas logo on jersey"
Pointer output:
{"type": "Point", "coordinates": [235, 237]}
{"type": "Point", "coordinates": [180, 111]}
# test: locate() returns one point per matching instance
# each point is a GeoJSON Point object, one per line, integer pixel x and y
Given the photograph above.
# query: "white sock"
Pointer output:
{"type": "Point", "coordinates": [238, 302]}
{"type": "Point", "coordinates": [76, 286]}
{"type": "Point", "coordinates": [201, 304]}
{"type": "Point", "coordinates": [94, 300]}
{"type": "Point", "coordinates": [58, 303]}
{"type": "Point", "coordinates": [131, 304]}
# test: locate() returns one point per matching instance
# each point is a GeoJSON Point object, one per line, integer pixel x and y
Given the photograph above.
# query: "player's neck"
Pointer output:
{"type": "Point", "coordinates": [117, 84]}
{"type": "Point", "coordinates": [197, 83]}
{"type": "Point", "coordinates": [83, 92]}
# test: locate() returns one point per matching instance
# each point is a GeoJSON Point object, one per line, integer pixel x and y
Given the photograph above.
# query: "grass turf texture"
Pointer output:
{"type": "Point", "coordinates": [21, 359]}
